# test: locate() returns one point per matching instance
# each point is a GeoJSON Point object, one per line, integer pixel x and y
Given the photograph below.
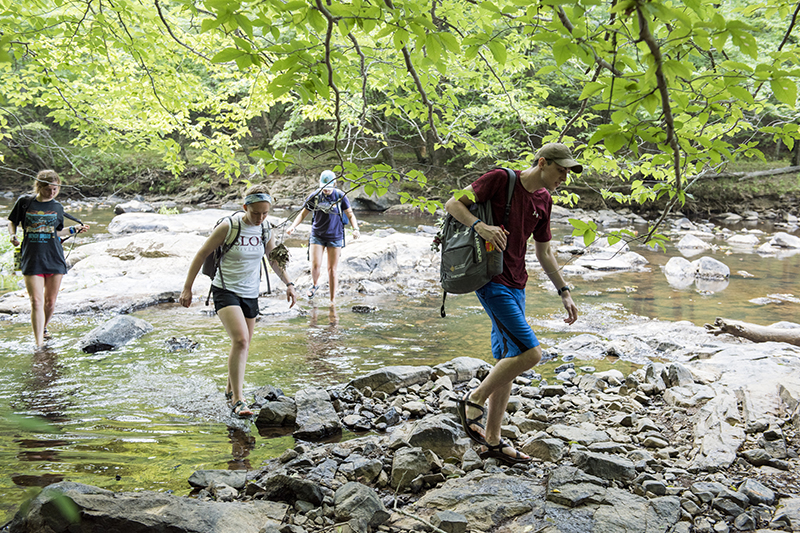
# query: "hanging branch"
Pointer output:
{"type": "Point", "coordinates": [174, 37]}
{"type": "Point", "coordinates": [332, 84]}
{"type": "Point", "coordinates": [418, 82]}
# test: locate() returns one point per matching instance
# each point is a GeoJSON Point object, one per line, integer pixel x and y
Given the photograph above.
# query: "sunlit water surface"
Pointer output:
{"type": "Point", "coordinates": [144, 417]}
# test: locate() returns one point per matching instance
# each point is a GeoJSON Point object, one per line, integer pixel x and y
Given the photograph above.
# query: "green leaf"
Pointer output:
{"type": "Point", "coordinates": [228, 54]}
{"type": "Point", "coordinates": [562, 51]}
{"type": "Point", "coordinates": [785, 90]}
{"type": "Point", "coordinates": [498, 51]}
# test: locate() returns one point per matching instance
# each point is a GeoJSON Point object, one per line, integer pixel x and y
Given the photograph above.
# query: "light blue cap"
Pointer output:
{"type": "Point", "coordinates": [326, 177]}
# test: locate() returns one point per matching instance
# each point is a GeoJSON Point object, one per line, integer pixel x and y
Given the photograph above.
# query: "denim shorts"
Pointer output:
{"type": "Point", "coordinates": [511, 333]}
{"type": "Point", "coordinates": [327, 244]}
{"type": "Point", "coordinates": [225, 298]}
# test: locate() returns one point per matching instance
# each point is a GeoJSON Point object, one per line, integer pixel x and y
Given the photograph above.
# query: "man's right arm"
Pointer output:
{"type": "Point", "coordinates": [459, 208]}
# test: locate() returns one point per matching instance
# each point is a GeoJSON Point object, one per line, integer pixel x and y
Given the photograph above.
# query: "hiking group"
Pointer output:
{"type": "Point", "coordinates": [521, 199]}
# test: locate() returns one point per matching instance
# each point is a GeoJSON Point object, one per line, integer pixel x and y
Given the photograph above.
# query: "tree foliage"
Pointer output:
{"type": "Point", "coordinates": [657, 93]}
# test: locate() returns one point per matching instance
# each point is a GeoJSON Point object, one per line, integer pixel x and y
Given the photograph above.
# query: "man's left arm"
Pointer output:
{"type": "Point", "coordinates": [547, 258]}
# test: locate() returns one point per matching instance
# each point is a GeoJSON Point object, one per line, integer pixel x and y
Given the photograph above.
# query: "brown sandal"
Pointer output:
{"type": "Point", "coordinates": [496, 452]}
{"type": "Point", "coordinates": [467, 423]}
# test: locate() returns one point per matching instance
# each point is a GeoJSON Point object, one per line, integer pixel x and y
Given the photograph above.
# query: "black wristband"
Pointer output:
{"type": "Point", "coordinates": [563, 289]}
{"type": "Point", "coordinates": [290, 283]}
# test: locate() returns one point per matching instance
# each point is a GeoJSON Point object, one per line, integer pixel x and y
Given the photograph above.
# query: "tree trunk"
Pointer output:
{"type": "Point", "coordinates": [754, 332]}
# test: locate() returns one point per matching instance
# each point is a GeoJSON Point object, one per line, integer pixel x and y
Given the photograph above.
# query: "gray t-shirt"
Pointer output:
{"type": "Point", "coordinates": [240, 268]}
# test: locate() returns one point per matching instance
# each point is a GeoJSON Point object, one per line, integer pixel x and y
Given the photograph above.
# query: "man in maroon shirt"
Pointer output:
{"type": "Point", "coordinates": [514, 343]}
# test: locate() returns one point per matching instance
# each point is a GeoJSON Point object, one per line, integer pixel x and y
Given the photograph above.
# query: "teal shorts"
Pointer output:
{"type": "Point", "coordinates": [511, 333]}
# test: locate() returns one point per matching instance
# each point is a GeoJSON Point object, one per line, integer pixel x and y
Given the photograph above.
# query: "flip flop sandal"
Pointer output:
{"type": "Point", "coordinates": [312, 291]}
{"type": "Point", "coordinates": [46, 336]}
{"type": "Point", "coordinates": [496, 452]}
{"type": "Point", "coordinates": [229, 396]}
{"type": "Point", "coordinates": [467, 423]}
{"type": "Point", "coordinates": [239, 407]}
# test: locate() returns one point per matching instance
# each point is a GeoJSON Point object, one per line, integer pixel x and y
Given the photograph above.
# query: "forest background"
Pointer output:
{"type": "Point", "coordinates": [669, 105]}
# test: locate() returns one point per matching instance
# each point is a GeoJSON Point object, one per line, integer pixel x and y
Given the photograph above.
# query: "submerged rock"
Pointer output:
{"type": "Point", "coordinates": [114, 333]}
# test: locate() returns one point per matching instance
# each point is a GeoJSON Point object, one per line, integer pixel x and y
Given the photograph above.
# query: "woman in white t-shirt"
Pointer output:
{"type": "Point", "coordinates": [236, 283]}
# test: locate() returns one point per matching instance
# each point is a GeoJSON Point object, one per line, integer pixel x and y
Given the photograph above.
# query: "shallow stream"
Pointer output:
{"type": "Point", "coordinates": [144, 417]}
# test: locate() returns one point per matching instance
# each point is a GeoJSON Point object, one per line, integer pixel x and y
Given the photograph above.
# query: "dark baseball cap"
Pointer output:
{"type": "Point", "coordinates": [561, 155]}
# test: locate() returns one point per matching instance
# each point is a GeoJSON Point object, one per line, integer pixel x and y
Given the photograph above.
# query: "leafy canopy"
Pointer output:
{"type": "Point", "coordinates": [656, 93]}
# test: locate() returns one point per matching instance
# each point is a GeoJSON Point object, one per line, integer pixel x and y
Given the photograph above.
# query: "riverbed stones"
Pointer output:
{"type": "Point", "coordinates": [113, 334]}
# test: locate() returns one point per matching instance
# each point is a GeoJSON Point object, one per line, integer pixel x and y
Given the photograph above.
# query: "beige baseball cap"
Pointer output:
{"type": "Point", "coordinates": [561, 155]}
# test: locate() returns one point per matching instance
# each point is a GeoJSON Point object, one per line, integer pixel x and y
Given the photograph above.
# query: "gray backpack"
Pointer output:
{"type": "Point", "coordinates": [467, 262]}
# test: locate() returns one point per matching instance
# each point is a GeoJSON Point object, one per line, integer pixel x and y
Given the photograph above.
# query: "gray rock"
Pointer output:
{"type": "Point", "coordinates": [546, 449]}
{"type": "Point", "coordinates": [356, 501]}
{"type": "Point", "coordinates": [390, 417]}
{"type": "Point", "coordinates": [785, 240]}
{"type": "Point", "coordinates": [133, 206]}
{"type": "Point", "coordinates": [679, 268]}
{"type": "Point", "coordinates": [114, 333]}
{"type": "Point", "coordinates": [441, 434]}
{"type": "Point", "coordinates": [659, 488]}
{"type": "Point", "coordinates": [717, 433]}
{"type": "Point", "coordinates": [710, 268]}
{"type": "Point", "coordinates": [788, 512]}
{"type": "Point", "coordinates": [678, 375]}
{"type": "Point", "coordinates": [392, 378]}
{"type": "Point", "coordinates": [204, 478]}
{"type": "Point", "coordinates": [284, 488]}
{"type": "Point", "coordinates": [408, 463]}
{"type": "Point", "coordinates": [689, 395]}
{"type": "Point", "coordinates": [487, 500]}
{"type": "Point", "coordinates": [604, 465]}
{"type": "Point", "coordinates": [585, 434]}
{"type": "Point", "coordinates": [463, 369]}
{"type": "Point", "coordinates": [450, 522]}
{"type": "Point", "coordinates": [316, 417]}
{"type": "Point", "coordinates": [756, 492]}
{"type": "Point", "coordinates": [267, 393]}
{"type": "Point", "coordinates": [277, 413]}
{"type": "Point", "coordinates": [623, 511]}
{"type": "Point", "coordinates": [100, 510]}
{"type": "Point", "coordinates": [692, 242]}
{"type": "Point", "coordinates": [366, 469]}
{"type": "Point", "coordinates": [757, 456]}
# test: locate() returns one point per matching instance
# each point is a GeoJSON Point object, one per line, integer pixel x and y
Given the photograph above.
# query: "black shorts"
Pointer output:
{"type": "Point", "coordinates": [224, 298]}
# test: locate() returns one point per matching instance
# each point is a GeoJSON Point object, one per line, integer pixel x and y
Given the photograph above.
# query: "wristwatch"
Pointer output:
{"type": "Point", "coordinates": [563, 289]}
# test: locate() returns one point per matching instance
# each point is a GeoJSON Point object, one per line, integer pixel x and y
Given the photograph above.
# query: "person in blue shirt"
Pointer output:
{"type": "Point", "coordinates": [329, 206]}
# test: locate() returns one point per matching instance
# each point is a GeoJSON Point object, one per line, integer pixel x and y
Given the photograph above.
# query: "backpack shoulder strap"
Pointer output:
{"type": "Point", "coordinates": [512, 182]}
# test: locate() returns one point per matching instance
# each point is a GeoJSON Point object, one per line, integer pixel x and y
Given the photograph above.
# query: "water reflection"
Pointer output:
{"type": "Point", "coordinates": [324, 344]}
{"type": "Point", "coordinates": [243, 442]}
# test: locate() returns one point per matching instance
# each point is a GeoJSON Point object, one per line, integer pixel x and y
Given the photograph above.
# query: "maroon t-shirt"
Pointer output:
{"type": "Point", "coordinates": [529, 215]}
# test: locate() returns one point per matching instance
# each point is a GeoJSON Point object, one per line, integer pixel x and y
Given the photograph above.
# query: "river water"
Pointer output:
{"type": "Point", "coordinates": [145, 417]}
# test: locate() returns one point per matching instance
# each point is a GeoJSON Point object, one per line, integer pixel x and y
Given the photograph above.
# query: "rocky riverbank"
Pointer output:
{"type": "Point", "coordinates": [706, 444]}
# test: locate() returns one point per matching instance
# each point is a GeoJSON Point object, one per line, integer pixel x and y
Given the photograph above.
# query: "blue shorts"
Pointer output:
{"type": "Point", "coordinates": [224, 298]}
{"type": "Point", "coordinates": [511, 333]}
{"type": "Point", "coordinates": [327, 244]}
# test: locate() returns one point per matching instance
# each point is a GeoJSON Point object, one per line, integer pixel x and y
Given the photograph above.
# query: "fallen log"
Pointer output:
{"type": "Point", "coordinates": [754, 332]}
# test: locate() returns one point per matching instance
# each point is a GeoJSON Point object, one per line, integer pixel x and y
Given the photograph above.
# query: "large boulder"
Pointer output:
{"type": "Point", "coordinates": [59, 507]}
{"type": "Point", "coordinates": [114, 333]}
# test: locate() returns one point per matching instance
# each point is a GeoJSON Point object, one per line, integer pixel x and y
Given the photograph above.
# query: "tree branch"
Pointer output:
{"type": "Point", "coordinates": [169, 30]}
{"type": "Point", "coordinates": [647, 37]}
